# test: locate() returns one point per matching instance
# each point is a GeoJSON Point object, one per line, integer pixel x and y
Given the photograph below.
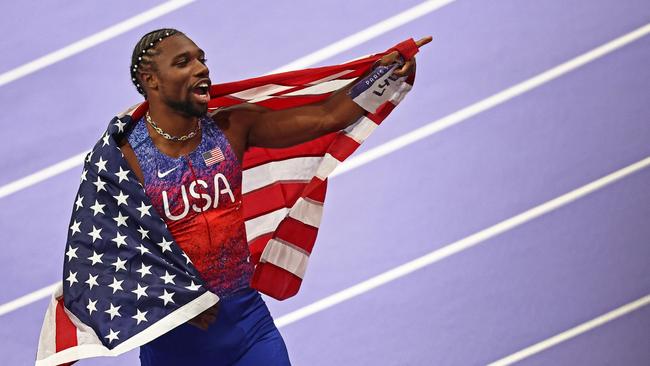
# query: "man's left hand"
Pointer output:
{"type": "Point", "coordinates": [409, 65]}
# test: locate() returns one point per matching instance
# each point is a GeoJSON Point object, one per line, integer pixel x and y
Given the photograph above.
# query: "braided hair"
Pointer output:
{"type": "Point", "coordinates": [145, 49]}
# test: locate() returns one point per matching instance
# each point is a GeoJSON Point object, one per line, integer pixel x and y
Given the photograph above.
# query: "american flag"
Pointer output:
{"type": "Point", "coordinates": [213, 156]}
{"type": "Point", "coordinates": [126, 281]}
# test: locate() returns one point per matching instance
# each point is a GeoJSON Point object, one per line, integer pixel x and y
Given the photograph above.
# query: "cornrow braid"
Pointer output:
{"type": "Point", "coordinates": [144, 51]}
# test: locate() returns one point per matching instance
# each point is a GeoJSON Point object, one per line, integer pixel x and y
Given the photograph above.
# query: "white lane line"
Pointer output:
{"type": "Point", "coordinates": [43, 174]}
{"type": "Point", "coordinates": [490, 102]}
{"type": "Point", "coordinates": [573, 332]}
{"type": "Point", "coordinates": [458, 246]}
{"type": "Point", "coordinates": [365, 35]}
{"type": "Point", "coordinates": [92, 40]}
{"type": "Point", "coordinates": [27, 299]}
{"type": "Point", "coordinates": [326, 52]}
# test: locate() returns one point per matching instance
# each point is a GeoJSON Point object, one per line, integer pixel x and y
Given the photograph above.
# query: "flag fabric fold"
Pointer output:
{"type": "Point", "coordinates": [126, 281]}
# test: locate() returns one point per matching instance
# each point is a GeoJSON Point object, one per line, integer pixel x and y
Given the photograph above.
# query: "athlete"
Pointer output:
{"type": "Point", "coordinates": [190, 166]}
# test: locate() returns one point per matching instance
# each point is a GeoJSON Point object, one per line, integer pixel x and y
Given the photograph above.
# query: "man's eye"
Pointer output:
{"type": "Point", "coordinates": [181, 62]}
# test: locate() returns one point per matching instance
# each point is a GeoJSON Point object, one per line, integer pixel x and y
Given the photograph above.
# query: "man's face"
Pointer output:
{"type": "Point", "coordinates": [181, 77]}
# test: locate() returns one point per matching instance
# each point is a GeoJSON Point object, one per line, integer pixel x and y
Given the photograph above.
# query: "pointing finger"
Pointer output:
{"type": "Point", "coordinates": [422, 41]}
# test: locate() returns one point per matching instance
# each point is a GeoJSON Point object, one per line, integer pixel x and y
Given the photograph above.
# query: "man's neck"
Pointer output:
{"type": "Point", "coordinates": [170, 120]}
{"type": "Point", "coordinates": [175, 124]}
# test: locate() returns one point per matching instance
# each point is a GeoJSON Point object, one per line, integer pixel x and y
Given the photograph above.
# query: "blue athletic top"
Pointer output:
{"type": "Point", "coordinates": [199, 197]}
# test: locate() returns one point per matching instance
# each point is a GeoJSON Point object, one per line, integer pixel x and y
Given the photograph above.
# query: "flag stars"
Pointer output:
{"type": "Point", "coordinates": [116, 285]}
{"type": "Point", "coordinates": [92, 281]}
{"type": "Point", "coordinates": [119, 240]}
{"type": "Point", "coordinates": [140, 291]}
{"type": "Point", "coordinates": [144, 270]}
{"type": "Point", "coordinates": [75, 227]}
{"type": "Point", "coordinates": [144, 210]}
{"type": "Point", "coordinates": [121, 220]}
{"type": "Point", "coordinates": [83, 176]}
{"type": "Point", "coordinates": [187, 259]}
{"type": "Point", "coordinates": [71, 253]}
{"type": "Point", "coordinates": [113, 311]}
{"type": "Point", "coordinates": [193, 287]}
{"type": "Point", "coordinates": [121, 199]}
{"type": "Point", "coordinates": [79, 202]}
{"type": "Point", "coordinates": [119, 264]}
{"type": "Point", "coordinates": [167, 297]}
{"type": "Point", "coordinates": [96, 258]}
{"type": "Point", "coordinates": [91, 306]}
{"type": "Point", "coordinates": [144, 233]}
{"type": "Point", "coordinates": [95, 233]}
{"type": "Point", "coordinates": [72, 278]}
{"type": "Point", "coordinates": [165, 245]}
{"type": "Point", "coordinates": [97, 208]}
{"type": "Point", "coordinates": [105, 139]}
{"type": "Point", "coordinates": [168, 278]}
{"type": "Point", "coordinates": [101, 165]}
{"type": "Point", "coordinates": [89, 156]}
{"type": "Point", "coordinates": [122, 175]}
{"type": "Point", "coordinates": [112, 336]}
{"type": "Point", "coordinates": [120, 125]}
{"type": "Point", "coordinates": [140, 316]}
{"type": "Point", "coordinates": [143, 249]}
{"type": "Point", "coordinates": [99, 183]}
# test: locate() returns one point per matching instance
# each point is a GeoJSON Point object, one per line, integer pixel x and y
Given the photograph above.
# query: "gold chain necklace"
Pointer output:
{"type": "Point", "coordinates": [170, 137]}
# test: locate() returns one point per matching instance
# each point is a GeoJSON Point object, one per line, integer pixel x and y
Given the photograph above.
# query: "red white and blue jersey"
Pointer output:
{"type": "Point", "coordinates": [199, 196]}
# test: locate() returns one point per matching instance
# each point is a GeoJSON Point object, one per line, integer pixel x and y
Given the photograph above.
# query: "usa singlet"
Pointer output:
{"type": "Point", "coordinates": [199, 197]}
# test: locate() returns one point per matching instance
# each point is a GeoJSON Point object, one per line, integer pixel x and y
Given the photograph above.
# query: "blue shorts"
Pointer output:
{"type": "Point", "coordinates": [243, 334]}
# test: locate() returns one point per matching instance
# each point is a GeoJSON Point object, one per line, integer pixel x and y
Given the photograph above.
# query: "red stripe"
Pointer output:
{"type": "Point", "coordinates": [255, 156]}
{"type": "Point", "coordinates": [66, 332]}
{"type": "Point", "coordinates": [297, 233]}
{"type": "Point", "coordinates": [343, 147]}
{"type": "Point", "coordinates": [271, 198]}
{"type": "Point", "coordinates": [257, 245]}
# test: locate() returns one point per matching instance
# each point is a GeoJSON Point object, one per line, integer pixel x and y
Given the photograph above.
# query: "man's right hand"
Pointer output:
{"type": "Point", "coordinates": [203, 320]}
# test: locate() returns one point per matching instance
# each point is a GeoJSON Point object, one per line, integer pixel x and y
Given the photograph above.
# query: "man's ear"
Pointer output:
{"type": "Point", "coordinates": [149, 80]}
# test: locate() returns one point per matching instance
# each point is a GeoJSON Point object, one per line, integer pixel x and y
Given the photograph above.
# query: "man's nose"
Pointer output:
{"type": "Point", "coordinates": [202, 70]}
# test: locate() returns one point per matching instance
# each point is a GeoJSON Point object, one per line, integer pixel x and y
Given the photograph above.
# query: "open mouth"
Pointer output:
{"type": "Point", "coordinates": [202, 92]}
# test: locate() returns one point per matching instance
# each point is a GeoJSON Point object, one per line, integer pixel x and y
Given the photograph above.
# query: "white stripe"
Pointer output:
{"type": "Point", "coordinates": [261, 91]}
{"type": "Point", "coordinates": [399, 94]}
{"type": "Point", "coordinates": [490, 102]}
{"type": "Point", "coordinates": [361, 129]}
{"type": "Point", "coordinates": [327, 166]}
{"type": "Point", "coordinates": [264, 224]}
{"type": "Point", "coordinates": [322, 88]}
{"type": "Point", "coordinates": [365, 35]}
{"type": "Point", "coordinates": [441, 124]}
{"type": "Point", "coordinates": [309, 60]}
{"type": "Point", "coordinates": [307, 211]}
{"type": "Point", "coordinates": [286, 256]}
{"type": "Point", "coordinates": [458, 246]}
{"type": "Point", "coordinates": [92, 40]}
{"type": "Point", "coordinates": [95, 348]}
{"type": "Point", "coordinates": [295, 169]}
{"type": "Point", "coordinates": [47, 338]}
{"type": "Point", "coordinates": [573, 332]}
{"type": "Point", "coordinates": [331, 77]}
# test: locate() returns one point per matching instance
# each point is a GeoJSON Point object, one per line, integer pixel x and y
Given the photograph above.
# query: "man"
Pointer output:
{"type": "Point", "coordinates": [189, 163]}
{"type": "Point", "coordinates": [171, 72]}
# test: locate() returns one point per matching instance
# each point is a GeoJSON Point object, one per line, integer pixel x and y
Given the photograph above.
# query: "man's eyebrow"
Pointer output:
{"type": "Point", "coordinates": [180, 55]}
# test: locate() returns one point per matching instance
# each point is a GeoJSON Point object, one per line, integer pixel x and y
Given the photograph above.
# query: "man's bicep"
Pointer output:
{"type": "Point", "coordinates": [287, 127]}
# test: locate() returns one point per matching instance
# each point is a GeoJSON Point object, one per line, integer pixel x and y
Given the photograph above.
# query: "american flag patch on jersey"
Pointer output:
{"type": "Point", "coordinates": [213, 156]}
